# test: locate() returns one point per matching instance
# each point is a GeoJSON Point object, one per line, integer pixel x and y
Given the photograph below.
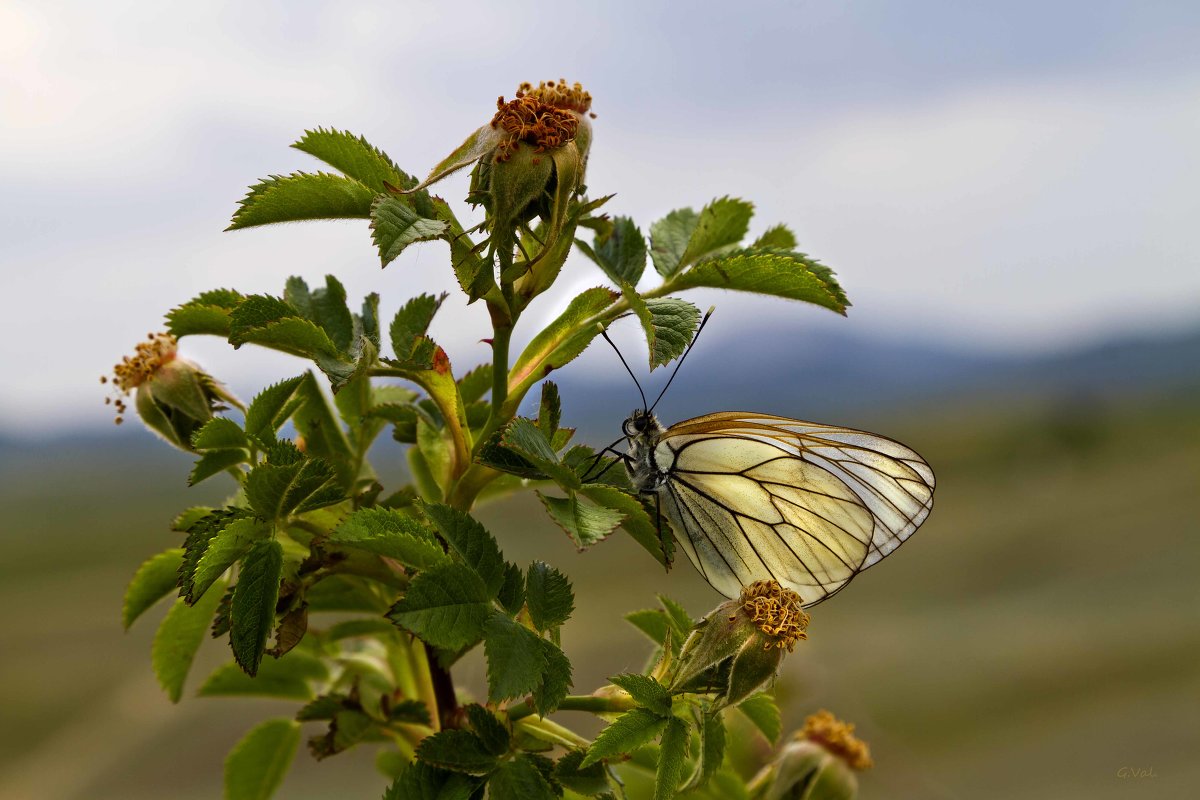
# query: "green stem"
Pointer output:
{"type": "Point", "coordinates": [578, 702]}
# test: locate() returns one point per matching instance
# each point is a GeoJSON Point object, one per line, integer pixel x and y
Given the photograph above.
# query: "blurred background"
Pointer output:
{"type": "Point", "coordinates": [1006, 190]}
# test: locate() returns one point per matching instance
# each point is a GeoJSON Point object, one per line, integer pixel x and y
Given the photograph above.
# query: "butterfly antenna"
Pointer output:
{"type": "Point", "coordinates": [679, 363]}
{"type": "Point", "coordinates": [627, 369]}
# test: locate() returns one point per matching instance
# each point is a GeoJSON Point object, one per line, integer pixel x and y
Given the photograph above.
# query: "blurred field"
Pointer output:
{"type": "Point", "coordinates": [1037, 635]}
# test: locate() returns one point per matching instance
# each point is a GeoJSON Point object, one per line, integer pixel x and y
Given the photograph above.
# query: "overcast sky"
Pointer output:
{"type": "Point", "coordinates": [1011, 176]}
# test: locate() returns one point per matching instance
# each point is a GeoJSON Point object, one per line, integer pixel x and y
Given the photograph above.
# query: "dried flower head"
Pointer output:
{"type": "Point", "coordinates": [776, 612]}
{"type": "Point", "coordinates": [528, 119]}
{"type": "Point", "coordinates": [148, 358]}
{"type": "Point", "coordinates": [837, 737]}
{"type": "Point", "coordinates": [560, 95]}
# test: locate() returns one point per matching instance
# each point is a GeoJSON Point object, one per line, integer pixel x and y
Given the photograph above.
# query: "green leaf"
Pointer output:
{"type": "Point", "coordinates": [621, 252]}
{"type": "Point", "coordinates": [457, 750]}
{"type": "Point", "coordinates": [348, 728]}
{"type": "Point", "coordinates": [523, 437]}
{"type": "Point", "coordinates": [712, 749]}
{"type": "Point", "coordinates": [153, 581]}
{"type": "Point", "coordinates": [563, 339]}
{"type": "Point", "coordinates": [556, 679]}
{"type": "Point", "coordinates": [764, 713]}
{"type": "Point", "coordinates": [587, 781]}
{"type": "Point", "coordinates": [184, 522]}
{"type": "Point", "coordinates": [627, 733]}
{"type": "Point", "coordinates": [207, 313]}
{"type": "Point", "coordinates": [199, 533]}
{"type": "Point", "coordinates": [669, 324]}
{"type": "Point", "coordinates": [669, 239]}
{"type": "Point", "coordinates": [271, 407]}
{"type": "Point", "coordinates": [214, 462]}
{"type": "Point", "coordinates": [585, 524]}
{"type": "Point", "coordinates": [475, 384]}
{"type": "Point", "coordinates": [414, 350]}
{"type": "Point", "coordinates": [329, 310]}
{"type": "Point", "coordinates": [177, 640]}
{"type": "Point", "coordinates": [651, 621]}
{"type": "Point", "coordinates": [445, 606]}
{"type": "Point", "coordinates": [491, 731]}
{"type": "Point", "coordinates": [219, 433]}
{"type": "Point", "coordinates": [512, 591]}
{"type": "Point", "coordinates": [779, 237]}
{"type": "Point", "coordinates": [344, 593]}
{"type": "Point", "coordinates": [721, 225]}
{"type": "Point", "coordinates": [421, 781]}
{"type": "Point", "coordinates": [391, 533]}
{"type": "Point", "coordinates": [395, 224]}
{"type": "Point", "coordinates": [672, 758]}
{"type": "Point", "coordinates": [515, 660]}
{"type": "Point", "coordinates": [791, 275]}
{"type": "Point", "coordinates": [302, 196]}
{"type": "Point", "coordinates": [472, 542]}
{"type": "Point", "coordinates": [252, 614]}
{"type": "Point", "coordinates": [681, 620]}
{"type": "Point", "coordinates": [355, 158]}
{"type": "Point", "coordinates": [323, 436]}
{"type": "Point", "coordinates": [635, 520]}
{"type": "Point", "coordinates": [645, 691]}
{"type": "Point", "coordinates": [276, 490]}
{"type": "Point", "coordinates": [519, 779]}
{"type": "Point", "coordinates": [288, 678]}
{"type": "Point", "coordinates": [549, 596]}
{"type": "Point", "coordinates": [549, 411]}
{"type": "Point", "coordinates": [230, 544]}
{"type": "Point", "coordinates": [256, 765]}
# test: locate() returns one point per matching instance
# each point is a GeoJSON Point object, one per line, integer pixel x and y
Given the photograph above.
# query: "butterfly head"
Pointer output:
{"type": "Point", "coordinates": [640, 424]}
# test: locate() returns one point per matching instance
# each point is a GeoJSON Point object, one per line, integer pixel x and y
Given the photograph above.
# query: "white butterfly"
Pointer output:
{"type": "Point", "coordinates": [761, 497]}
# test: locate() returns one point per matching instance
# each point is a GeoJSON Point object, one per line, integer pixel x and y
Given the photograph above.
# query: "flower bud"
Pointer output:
{"type": "Point", "coordinates": [738, 647]}
{"type": "Point", "coordinates": [819, 764]}
{"type": "Point", "coordinates": [174, 397]}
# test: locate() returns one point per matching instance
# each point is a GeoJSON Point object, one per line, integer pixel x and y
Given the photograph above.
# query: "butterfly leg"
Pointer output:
{"type": "Point", "coordinates": [599, 455]}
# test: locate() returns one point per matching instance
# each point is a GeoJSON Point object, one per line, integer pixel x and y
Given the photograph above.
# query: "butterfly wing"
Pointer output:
{"type": "Point", "coordinates": [808, 505]}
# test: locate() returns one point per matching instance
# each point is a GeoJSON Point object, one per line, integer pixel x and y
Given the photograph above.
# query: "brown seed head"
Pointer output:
{"type": "Point", "coordinates": [528, 119]}
{"type": "Point", "coordinates": [838, 738]}
{"type": "Point", "coordinates": [559, 94]}
{"type": "Point", "coordinates": [776, 612]}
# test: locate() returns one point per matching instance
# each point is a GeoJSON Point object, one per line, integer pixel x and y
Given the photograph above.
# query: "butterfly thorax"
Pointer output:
{"type": "Point", "coordinates": [642, 432]}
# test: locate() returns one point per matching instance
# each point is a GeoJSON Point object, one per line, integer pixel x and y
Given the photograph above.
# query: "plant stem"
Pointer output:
{"type": "Point", "coordinates": [578, 702]}
{"type": "Point", "coordinates": [443, 688]}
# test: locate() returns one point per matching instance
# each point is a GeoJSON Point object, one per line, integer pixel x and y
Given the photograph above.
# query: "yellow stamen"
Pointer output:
{"type": "Point", "coordinates": [148, 358]}
{"type": "Point", "coordinates": [777, 613]}
{"type": "Point", "coordinates": [838, 738]}
{"type": "Point", "coordinates": [559, 95]}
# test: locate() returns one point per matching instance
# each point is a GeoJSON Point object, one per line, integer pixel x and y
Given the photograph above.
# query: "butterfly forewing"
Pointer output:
{"type": "Point", "coordinates": [808, 505]}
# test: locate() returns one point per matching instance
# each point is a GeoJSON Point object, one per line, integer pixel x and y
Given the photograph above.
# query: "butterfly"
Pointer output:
{"type": "Point", "coordinates": [763, 497]}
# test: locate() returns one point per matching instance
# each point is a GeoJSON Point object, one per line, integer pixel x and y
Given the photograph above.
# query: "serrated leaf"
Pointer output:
{"type": "Point", "coordinates": [526, 439]}
{"type": "Point", "coordinates": [252, 613]}
{"type": "Point", "coordinates": [190, 517]}
{"type": "Point", "coordinates": [153, 581]}
{"type": "Point", "coordinates": [214, 462]}
{"type": "Point", "coordinates": [556, 679]}
{"type": "Point", "coordinates": [271, 407]}
{"type": "Point", "coordinates": [395, 224]}
{"type": "Point", "coordinates": [199, 533]}
{"type": "Point", "coordinates": [681, 621]}
{"type": "Point", "coordinates": [791, 275]}
{"type": "Point", "coordinates": [587, 781]}
{"type": "Point", "coordinates": [549, 412]}
{"type": "Point", "coordinates": [256, 765]}
{"type": "Point", "coordinates": [347, 728]}
{"type": "Point", "coordinates": [330, 311]}
{"type": "Point", "coordinates": [669, 239]}
{"type": "Point", "coordinates": [472, 542]}
{"type": "Point", "coordinates": [651, 621]}
{"type": "Point", "coordinates": [627, 733]}
{"type": "Point", "coordinates": [344, 593]}
{"type": "Point", "coordinates": [669, 324]}
{"type": "Point", "coordinates": [226, 547]}
{"type": "Point", "coordinates": [390, 533]}
{"type": "Point", "coordinates": [548, 595]}
{"type": "Point", "coordinates": [421, 781]}
{"type": "Point", "coordinates": [457, 750]}
{"type": "Point", "coordinates": [302, 196]}
{"type": "Point", "coordinates": [415, 350]}
{"type": "Point", "coordinates": [355, 158]}
{"type": "Point", "coordinates": [323, 435]}
{"type": "Point", "coordinates": [274, 491]}
{"type": "Point", "coordinates": [721, 225]}
{"type": "Point", "coordinates": [645, 691]}
{"type": "Point", "coordinates": [289, 678]}
{"type": "Point", "coordinates": [491, 731]}
{"type": "Point", "coordinates": [762, 710]}
{"type": "Point", "coordinates": [191, 320]}
{"type": "Point", "coordinates": [515, 660]}
{"type": "Point", "coordinates": [712, 750]}
{"type": "Point", "coordinates": [621, 252]}
{"type": "Point", "coordinates": [563, 339]}
{"type": "Point", "coordinates": [585, 524]}
{"type": "Point", "coordinates": [177, 640]}
{"type": "Point", "coordinates": [445, 606]}
{"type": "Point", "coordinates": [778, 237]}
{"type": "Point", "coordinates": [672, 759]}
{"type": "Point", "coordinates": [512, 591]}
{"type": "Point", "coordinates": [219, 433]}
{"type": "Point", "coordinates": [519, 779]}
{"type": "Point", "coordinates": [635, 520]}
